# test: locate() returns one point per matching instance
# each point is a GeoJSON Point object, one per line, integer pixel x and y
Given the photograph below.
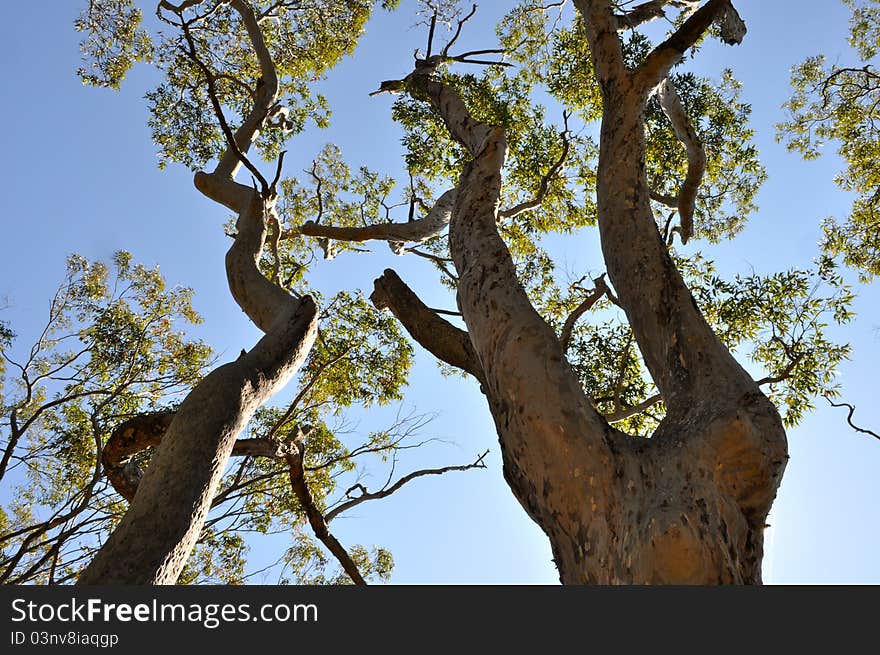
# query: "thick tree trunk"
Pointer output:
{"type": "Point", "coordinates": [686, 506]}
{"type": "Point", "coordinates": [155, 537]}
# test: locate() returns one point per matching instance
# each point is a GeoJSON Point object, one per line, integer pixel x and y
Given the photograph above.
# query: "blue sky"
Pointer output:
{"type": "Point", "coordinates": [81, 176]}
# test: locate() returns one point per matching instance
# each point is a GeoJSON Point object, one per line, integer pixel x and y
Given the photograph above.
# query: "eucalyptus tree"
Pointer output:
{"type": "Point", "coordinates": [155, 537]}
{"type": "Point", "coordinates": [637, 442]}
{"type": "Point", "coordinates": [246, 64]}
{"type": "Point", "coordinates": [85, 404]}
{"type": "Point", "coordinates": [111, 344]}
{"type": "Point", "coordinates": [838, 104]}
{"type": "Point", "coordinates": [573, 401]}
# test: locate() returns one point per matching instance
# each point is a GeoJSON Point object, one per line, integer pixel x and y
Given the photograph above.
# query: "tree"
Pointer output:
{"type": "Point", "coordinates": [635, 440]}
{"type": "Point", "coordinates": [688, 504]}
{"type": "Point", "coordinates": [97, 390]}
{"type": "Point", "coordinates": [839, 104]}
{"type": "Point", "coordinates": [86, 421]}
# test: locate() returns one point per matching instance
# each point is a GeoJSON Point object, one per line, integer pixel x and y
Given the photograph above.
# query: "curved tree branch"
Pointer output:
{"type": "Point", "coordinates": [544, 185]}
{"type": "Point", "coordinates": [154, 539]}
{"type": "Point", "coordinates": [852, 410]}
{"type": "Point", "coordinates": [439, 337]}
{"type": "Point", "coordinates": [146, 431]}
{"type": "Point", "coordinates": [600, 290]}
{"type": "Point", "coordinates": [696, 155]}
{"type": "Point", "coordinates": [422, 229]}
{"type": "Point", "coordinates": [536, 400]}
{"type": "Point", "coordinates": [666, 55]}
{"type": "Point", "coordinates": [316, 519]}
{"type": "Point", "coordinates": [651, 10]}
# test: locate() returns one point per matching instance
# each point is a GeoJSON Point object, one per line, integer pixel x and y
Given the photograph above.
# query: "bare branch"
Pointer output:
{"type": "Point", "coordinates": [388, 490]}
{"type": "Point", "coordinates": [419, 230]}
{"type": "Point", "coordinates": [852, 410]}
{"type": "Point", "coordinates": [666, 55]}
{"type": "Point", "coordinates": [316, 519]}
{"type": "Point", "coordinates": [786, 373]}
{"type": "Point", "coordinates": [663, 199]}
{"type": "Point", "coordinates": [178, 9]}
{"type": "Point", "coordinates": [600, 290]}
{"type": "Point", "coordinates": [628, 412]}
{"type": "Point", "coordinates": [431, 30]}
{"type": "Point", "coordinates": [455, 36]}
{"type": "Point", "coordinates": [544, 185]}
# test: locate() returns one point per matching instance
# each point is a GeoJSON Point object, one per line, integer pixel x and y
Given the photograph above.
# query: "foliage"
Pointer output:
{"type": "Point", "coordinates": [775, 318]}
{"type": "Point", "coordinates": [838, 104]}
{"type": "Point", "coordinates": [544, 93]}
{"type": "Point", "coordinates": [305, 40]}
{"type": "Point", "coordinates": [113, 41]}
{"type": "Point", "coordinates": [113, 346]}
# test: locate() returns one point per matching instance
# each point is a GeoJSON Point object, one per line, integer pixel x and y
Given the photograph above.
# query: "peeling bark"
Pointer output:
{"type": "Point", "coordinates": [652, 10]}
{"type": "Point", "coordinates": [432, 224]}
{"type": "Point", "coordinates": [696, 155]}
{"type": "Point", "coordinates": [147, 431]}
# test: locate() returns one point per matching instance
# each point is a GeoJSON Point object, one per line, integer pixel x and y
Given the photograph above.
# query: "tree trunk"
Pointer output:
{"type": "Point", "coordinates": [688, 505]}
{"type": "Point", "coordinates": [155, 537]}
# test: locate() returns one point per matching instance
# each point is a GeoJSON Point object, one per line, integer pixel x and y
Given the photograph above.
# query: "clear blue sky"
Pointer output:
{"type": "Point", "coordinates": [81, 177]}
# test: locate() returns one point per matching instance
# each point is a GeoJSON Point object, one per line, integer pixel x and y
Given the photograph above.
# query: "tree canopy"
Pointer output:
{"type": "Point", "coordinates": [91, 399]}
{"type": "Point", "coordinates": [837, 104]}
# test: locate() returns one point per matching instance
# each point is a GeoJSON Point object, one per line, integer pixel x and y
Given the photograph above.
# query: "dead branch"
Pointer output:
{"type": "Point", "coordinates": [390, 489]}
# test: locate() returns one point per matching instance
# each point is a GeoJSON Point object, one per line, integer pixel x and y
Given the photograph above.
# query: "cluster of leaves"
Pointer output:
{"type": "Point", "coordinates": [779, 321]}
{"type": "Point", "coordinates": [305, 563]}
{"type": "Point", "coordinates": [783, 318]}
{"type": "Point", "coordinates": [113, 346]}
{"type": "Point", "coordinates": [839, 104]}
{"type": "Point", "coordinates": [113, 42]}
{"type": "Point", "coordinates": [554, 52]}
{"type": "Point", "coordinates": [333, 194]}
{"type": "Point", "coordinates": [305, 40]}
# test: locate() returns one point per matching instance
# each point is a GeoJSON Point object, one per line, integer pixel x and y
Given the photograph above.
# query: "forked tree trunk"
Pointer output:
{"type": "Point", "coordinates": [686, 506]}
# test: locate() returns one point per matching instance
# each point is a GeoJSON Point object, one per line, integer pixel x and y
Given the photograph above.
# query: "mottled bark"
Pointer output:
{"type": "Point", "coordinates": [686, 506]}
{"type": "Point", "coordinates": [445, 341]}
{"type": "Point", "coordinates": [147, 431]}
{"type": "Point", "coordinates": [155, 537]}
